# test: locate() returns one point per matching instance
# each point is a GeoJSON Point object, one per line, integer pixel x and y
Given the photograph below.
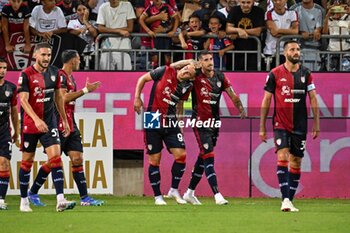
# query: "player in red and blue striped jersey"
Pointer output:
{"type": "Point", "coordinates": [289, 84]}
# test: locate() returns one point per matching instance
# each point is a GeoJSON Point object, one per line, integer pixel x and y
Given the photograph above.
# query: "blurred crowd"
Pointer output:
{"type": "Point", "coordinates": [217, 25]}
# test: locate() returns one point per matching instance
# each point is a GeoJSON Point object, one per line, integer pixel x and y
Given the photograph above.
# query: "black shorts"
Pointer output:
{"type": "Point", "coordinates": [172, 137]}
{"type": "Point", "coordinates": [5, 142]}
{"type": "Point", "coordinates": [295, 142]}
{"type": "Point", "coordinates": [72, 142]}
{"type": "Point", "coordinates": [30, 141]}
{"type": "Point", "coordinates": [206, 139]}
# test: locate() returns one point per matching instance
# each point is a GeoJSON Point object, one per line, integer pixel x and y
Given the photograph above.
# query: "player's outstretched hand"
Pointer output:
{"type": "Point", "coordinates": [92, 86]}
{"type": "Point", "coordinates": [315, 133]}
{"type": "Point", "coordinates": [243, 114]}
{"type": "Point", "coordinates": [138, 105]}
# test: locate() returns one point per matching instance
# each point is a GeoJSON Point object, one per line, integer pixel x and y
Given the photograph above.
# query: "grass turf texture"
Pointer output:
{"type": "Point", "coordinates": [139, 214]}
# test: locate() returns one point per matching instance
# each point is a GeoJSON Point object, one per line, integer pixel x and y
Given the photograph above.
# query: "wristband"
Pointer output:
{"type": "Point", "coordinates": [85, 90]}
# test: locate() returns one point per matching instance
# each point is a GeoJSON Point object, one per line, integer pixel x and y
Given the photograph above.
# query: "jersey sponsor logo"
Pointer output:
{"type": "Point", "coordinates": [35, 81]}
{"type": "Point", "coordinates": [285, 90]}
{"type": "Point", "coordinates": [291, 100]}
{"type": "Point", "coordinates": [38, 91]}
{"type": "Point", "coordinates": [42, 100]}
{"type": "Point", "coordinates": [298, 91]}
{"type": "Point", "coordinates": [166, 91]}
{"type": "Point", "coordinates": [151, 120]}
{"type": "Point", "coordinates": [169, 102]}
{"type": "Point", "coordinates": [209, 101]}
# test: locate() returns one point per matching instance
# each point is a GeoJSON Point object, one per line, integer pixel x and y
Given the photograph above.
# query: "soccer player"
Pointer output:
{"type": "Point", "coordinates": [289, 83]}
{"type": "Point", "coordinates": [207, 89]}
{"type": "Point", "coordinates": [169, 87]}
{"type": "Point", "coordinates": [39, 91]}
{"type": "Point", "coordinates": [71, 145]}
{"type": "Point", "coordinates": [8, 108]}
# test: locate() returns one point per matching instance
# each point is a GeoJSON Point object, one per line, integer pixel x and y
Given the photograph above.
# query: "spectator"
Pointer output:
{"type": "Point", "coordinates": [279, 22]}
{"type": "Point", "coordinates": [47, 19]}
{"type": "Point", "coordinates": [311, 18]}
{"type": "Point", "coordinates": [217, 44]}
{"type": "Point", "coordinates": [267, 5]}
{"type": "Point", "coordinates": [116, 17]}
{"type": "Point", "coordinates": [245, 20]}
{"type": "Point", "coordinates": [209, 9]}
{"type": "Point", "coordinates": [337, 22]}
{"type": "Point", "coordinates": [91, 4]}
{"type": "Point", "coordinates": [191, 36]}
{"type": "Point", "coordinates": [229, 5]}
{"type": "Point", "coordinates": [86, 30]}
{"type": "Point", "coordinates": [168, 25]}
{"type": "Point", "coordinates": [15, 18]}
{"type": "Point", "coordinates": [323, 3]}
{"type": "Point", "coordinates": [69, 9]}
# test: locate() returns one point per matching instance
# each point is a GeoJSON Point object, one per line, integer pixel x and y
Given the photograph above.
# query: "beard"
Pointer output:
{"type": "Point", "coordinates": [293, 60]}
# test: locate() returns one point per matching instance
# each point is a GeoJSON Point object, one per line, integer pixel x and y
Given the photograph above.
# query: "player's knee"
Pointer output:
{"type": "Point", "coordinates": [181, 158]}
{"type": "Point", "coordinates": [55, 161]}
{"type": "Point", "coordinates": [26, 165]}
{"type": "Point", "coordinates": [154, 159]}
{"type": "Point", "coordinates": [77, 161]}
{"type": "Point", "coordinates": [208, 155]}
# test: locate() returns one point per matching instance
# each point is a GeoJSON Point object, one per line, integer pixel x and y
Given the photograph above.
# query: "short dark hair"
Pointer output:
{"type": "Point", "coordinates": [203, 53]}
{"type": "Point", "coordinates": [3, 60]}
{"type": "Point", "coordinates": [289, 42]}
{"type": "Point", "coordinates": [68, 54]}
{"type": "Point", "coordinates": [194, 16]}
{"type": "Point", "coordinates": [42, 45]}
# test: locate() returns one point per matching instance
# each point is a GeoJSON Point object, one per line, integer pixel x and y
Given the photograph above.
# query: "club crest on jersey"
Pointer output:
{"type": "Point", "coordinates": [19, 14]}
{"type": "Point", "coordinates": [149, 146]}
{"type": "Point", "coordinates": [206, 146]}
{"type": "Point", "coordinates": [278, 141]}
{"type": "Point", "coordinates": [26, 144]}
{"type": "Point", "coordinates": [53, 78]}
{"type": "Point", "coordinates": [302, 79]}
{"type": "Point", "coordinates": [184, 89]}
{"type": "Point", "coordinates": [218, 83]}
{"type": "Point", "coordinates": [7, 93]}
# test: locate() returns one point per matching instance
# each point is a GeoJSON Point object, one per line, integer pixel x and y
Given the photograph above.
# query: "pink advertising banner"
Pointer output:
{"type": "Point", "coordinates": [325, 166]}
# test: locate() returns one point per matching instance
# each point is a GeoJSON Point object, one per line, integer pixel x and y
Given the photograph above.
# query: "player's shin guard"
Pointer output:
{"type": "Point", "coordinates": [177, 171]}
{"type": "Point", "coordinates": [210, 172]}
{"type": "Point", "coordinates": [154, 179]}
{"type": "Point", "coordinates": [282, 175]}
{"type": "Point", "coordinates": [40, 178]}
{"type": "Point", "coordinates": [24, 177]}
{"type": "Point", "coordinates": [79, 178]}
{"type": "Point", "coordinates": [4, 183]}
{"type": "Point", "coordinates": [57, 173]}
{"type": "Point", "coordinates": [197, 173]}
{"type": "Point", "coordinates": [293, 181]}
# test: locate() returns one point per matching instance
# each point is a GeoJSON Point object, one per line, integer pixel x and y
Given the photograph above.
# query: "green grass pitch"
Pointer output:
{"type": "Point", "coordinates": [139, 214]}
